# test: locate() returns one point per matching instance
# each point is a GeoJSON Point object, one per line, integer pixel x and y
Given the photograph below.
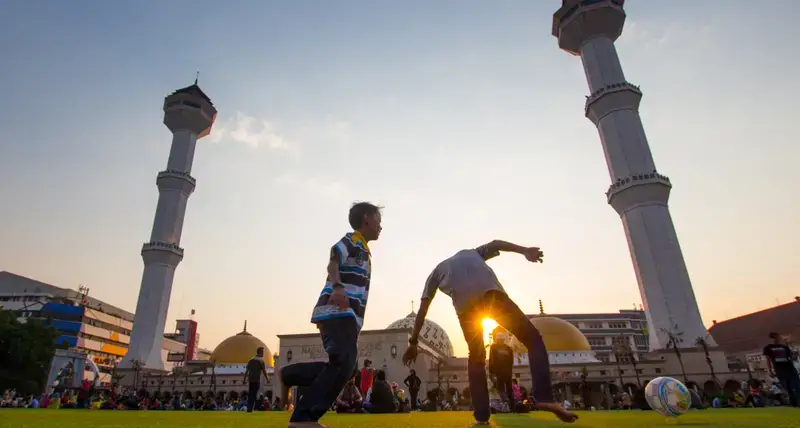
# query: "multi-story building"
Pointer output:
{"type": "Point", "coordinates": [87, 325]}
{"type": "Point", "coordinates": [622, 334]}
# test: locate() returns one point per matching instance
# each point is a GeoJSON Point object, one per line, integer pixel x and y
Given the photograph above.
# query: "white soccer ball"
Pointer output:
{"type": "Point", "coordinates": [668, 396]}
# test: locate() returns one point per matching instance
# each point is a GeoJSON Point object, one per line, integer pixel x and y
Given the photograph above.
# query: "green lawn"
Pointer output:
{"type": "Point", "coordinates": [728, 418]}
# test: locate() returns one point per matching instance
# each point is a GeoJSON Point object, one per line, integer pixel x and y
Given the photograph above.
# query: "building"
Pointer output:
{"type": "Point", "coordinates": [189, 114]}
{"type": "Point", "coordinates": [743, 338]}
{"type": "Point", "coordinates": [611, 335]}
{"type": "Point", "coordinates": [219, 373]}
{"type": "Point", "coordinates": [575, 368]}
{"type": "Point", "coordinates": [87, 325]}
{"type": "Point", "coordinates": [638, 193]}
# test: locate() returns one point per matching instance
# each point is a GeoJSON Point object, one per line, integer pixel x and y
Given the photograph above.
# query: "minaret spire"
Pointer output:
{"type": "Point", "coordinates": [196, 78]}
{"type": "Point", "coordinates": [245, 326]}
{"type": "Point", "coordinates": [638, 193]}
{"type": "Point", "coordinates": [189, 115]}
{"type": "Point", "coordinates": [541, 307]}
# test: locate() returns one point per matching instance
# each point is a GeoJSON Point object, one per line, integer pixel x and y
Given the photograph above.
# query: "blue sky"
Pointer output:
{"type": "Point", "coordinates": [463, 119]}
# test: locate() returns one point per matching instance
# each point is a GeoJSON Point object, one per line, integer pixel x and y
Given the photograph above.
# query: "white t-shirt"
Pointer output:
{"type": "Point", "coordinates": [465, 277]}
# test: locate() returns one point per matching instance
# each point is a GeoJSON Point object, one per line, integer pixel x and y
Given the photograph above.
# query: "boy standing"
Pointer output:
{"type": "Point", "coordinates": [339, 314]}
{"type": "Point", "coordinates": [477, 294]}
{"type": "Point", "coordinates": [780, 359]}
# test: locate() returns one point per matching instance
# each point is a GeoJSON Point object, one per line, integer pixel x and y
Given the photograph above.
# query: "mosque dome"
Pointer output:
{"type": "Point", "coordinates": [432, 334]}
{"type": "Point", "coordinates": [239, 349]}
{"type": "Point", "coordinates": [564, 342]}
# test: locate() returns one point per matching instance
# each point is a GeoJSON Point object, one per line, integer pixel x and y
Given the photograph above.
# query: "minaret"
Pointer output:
{"type": "Point", "coordinates": [639, 194]}
{"type": "Point", "coordinates": [189, 114]}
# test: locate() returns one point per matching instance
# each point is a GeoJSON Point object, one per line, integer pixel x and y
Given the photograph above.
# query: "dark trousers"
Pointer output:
{"type": "Point", "coordinates": [791, 384]}
{"type": "Point", "coordinates": [324, 381]}
{"type": "Point", "coordinates": [413, 393]}
{"type": "Point", "coordinates": [498, 306]}
{"type": "Point", "coordinates": [252, 395]}
{"type": "Point", "coordinates": [504, 387]}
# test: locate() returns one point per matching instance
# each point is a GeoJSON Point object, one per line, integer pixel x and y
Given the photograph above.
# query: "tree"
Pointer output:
{"type": "Point", "coordinates": [26, 351]}
{"type": "Point", "coordinates": [674, 340]}
{"type": "Point", "coordinates": [703, 343]}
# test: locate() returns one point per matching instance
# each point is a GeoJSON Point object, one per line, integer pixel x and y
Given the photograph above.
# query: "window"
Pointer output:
{"type": "Point", "coordinates": [617, 325]}
{"type": "Point", "coordinates": [597, 341]}
{"type": "Point", "coordinates": [594, 325]}
{"type": "Point", "coordinates": [622, 372]}
{"type": "Point", "coordinates": [602, 372]}
{"type": "Point", "coordinates": [658, 370]}
{"type": "Point", "coordinates": [639, 371]}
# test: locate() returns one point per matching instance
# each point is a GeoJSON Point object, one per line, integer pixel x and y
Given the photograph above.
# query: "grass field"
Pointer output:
{"type": "Point", "coordinates": [728, 418]}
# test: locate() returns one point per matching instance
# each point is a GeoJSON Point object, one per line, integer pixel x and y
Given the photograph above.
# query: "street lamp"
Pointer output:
{"type": "Point", "coordinates": [289, 356]}
{"type": "Point", "coordinates": [393, 351]}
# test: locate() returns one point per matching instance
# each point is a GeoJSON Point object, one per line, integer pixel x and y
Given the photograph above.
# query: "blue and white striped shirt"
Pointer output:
{"type": "Point", "coordinates": [354, 270]}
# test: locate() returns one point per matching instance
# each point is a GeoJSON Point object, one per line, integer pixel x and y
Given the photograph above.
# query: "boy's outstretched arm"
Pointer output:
{"type": "Point", "coordinates": [493, 249]}
{"type": "Point", "coordinates": [431, 286]}
{"type": "Point", "coordinates": [420, 320]}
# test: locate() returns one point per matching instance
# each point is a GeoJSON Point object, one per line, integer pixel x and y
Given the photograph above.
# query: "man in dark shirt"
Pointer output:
{"type": "Point", "coordinates": [501, 363]}
{"type": "Point", "coordinates": [413, 383]}
{"type": "Point", "coordinates": [780, 359]}
{"type": "Point", "coordinates": [255, 368]}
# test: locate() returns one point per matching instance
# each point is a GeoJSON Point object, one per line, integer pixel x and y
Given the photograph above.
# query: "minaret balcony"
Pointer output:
{"type": "Point", "coordinates": [610, 98]}
{"type": "Point", "coordinates": [162, 252]}
{"type": "Point", "coordinates": [637, 190]}
{"type": "Point", "coordinates": [176, 180]}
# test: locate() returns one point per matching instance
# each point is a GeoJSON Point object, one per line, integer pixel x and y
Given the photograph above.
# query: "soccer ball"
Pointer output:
{"type": "Point", "coordinates": [668, 396]}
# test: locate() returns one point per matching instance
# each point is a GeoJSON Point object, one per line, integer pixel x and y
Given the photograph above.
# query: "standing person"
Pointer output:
{"type": "Point", "coordinates": [501, 363]}
{"type": "Point", "coordinates": [780, 359]}
{"type": "Point", "coordinates": [413, 383]}
{"type": "Point", "coordinates": [252, 374]}
{"type": "Point", "coordinates": [339, 314]}
{"type": "Point", "coordinates": [366, 377]}
{"type": "Point", "coordinates": [477, 293]}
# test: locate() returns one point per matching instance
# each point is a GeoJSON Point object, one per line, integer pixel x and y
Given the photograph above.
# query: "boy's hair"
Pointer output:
{"type": "Point", "coordinates": [358, 211]}
{"type": "Point", "coordinates": [380, 375]}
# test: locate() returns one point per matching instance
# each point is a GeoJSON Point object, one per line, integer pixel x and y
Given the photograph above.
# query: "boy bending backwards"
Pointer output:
{"type": "Point", "coordinates": [477, 294]}
{"type": "Point", "coordinates": [339, 314]}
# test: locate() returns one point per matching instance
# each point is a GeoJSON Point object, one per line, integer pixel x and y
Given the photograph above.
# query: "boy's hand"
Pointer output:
{"type": "Point", "coordinates": [410, 356]}
{"type": "Point", "coordinates": [534, 255]}
{"type": "Point", "coordinates": [339, 298]}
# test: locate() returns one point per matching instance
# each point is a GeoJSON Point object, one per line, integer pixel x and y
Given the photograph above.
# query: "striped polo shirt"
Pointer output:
{"type": "Point", "coordinates": [354, 270]}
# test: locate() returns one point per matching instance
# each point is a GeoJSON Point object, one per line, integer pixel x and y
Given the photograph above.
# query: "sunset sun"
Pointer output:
{"type": "Point", "coordinates": [488, 326]}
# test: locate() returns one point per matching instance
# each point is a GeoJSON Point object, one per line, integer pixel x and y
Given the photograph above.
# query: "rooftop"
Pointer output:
{"type": "Point", "coordinates": [751, 331]}
{"type": "Point", "coordinates": [195, 91]}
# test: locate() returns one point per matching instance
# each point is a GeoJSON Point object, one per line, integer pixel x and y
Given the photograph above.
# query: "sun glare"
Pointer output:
{"type": "Point", "coordinates": [488, 326]}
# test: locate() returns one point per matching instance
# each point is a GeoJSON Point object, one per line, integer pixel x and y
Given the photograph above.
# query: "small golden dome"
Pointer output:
{"type": "Point", "coordinates": [560, 335]}
{"type": "Point", "coordinates": [239, 349]}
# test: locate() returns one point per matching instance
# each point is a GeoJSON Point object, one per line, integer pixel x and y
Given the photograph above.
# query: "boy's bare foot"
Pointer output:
{"type": "Point", "coordinates": [480, 424]}
{"type": "Point", "coordinates": [306, 425]}
{"type": "Point", "coordinates": [556, 409]}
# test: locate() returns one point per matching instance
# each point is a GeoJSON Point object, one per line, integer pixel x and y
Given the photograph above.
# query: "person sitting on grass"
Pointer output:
{"type": "Point", "coordinates": [380, 398]}
{"type": "Point", "coordinates": [349, 400]}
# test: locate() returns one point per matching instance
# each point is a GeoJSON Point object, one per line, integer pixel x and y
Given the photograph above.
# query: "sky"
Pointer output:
{"type": "Point", "coordinates": [462, 118]}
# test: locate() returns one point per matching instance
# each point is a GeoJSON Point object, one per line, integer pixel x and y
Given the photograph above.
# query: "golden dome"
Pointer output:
{"type": "Point", "coordinates": [560, 335]}
{"type": "Point", "coordinates": [239, 349]}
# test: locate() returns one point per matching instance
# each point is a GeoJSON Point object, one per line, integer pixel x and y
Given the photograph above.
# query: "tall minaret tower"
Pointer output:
{"type": "Point", "coordinates": [639, 194]}
{"type": "Point", "coordinates": [189, 114]}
